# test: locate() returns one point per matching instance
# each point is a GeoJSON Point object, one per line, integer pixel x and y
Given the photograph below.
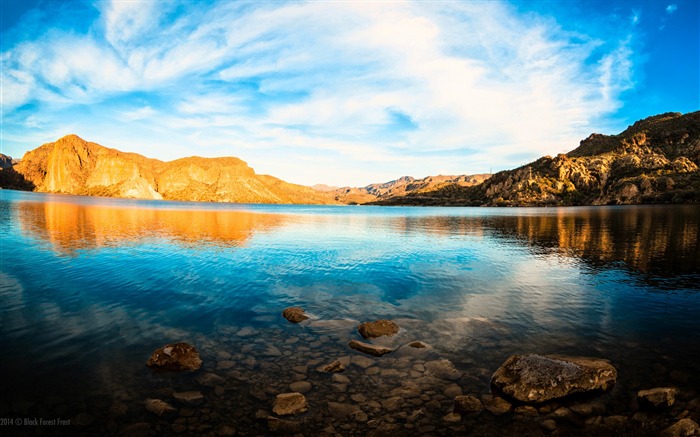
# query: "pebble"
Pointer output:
{"type": "Point", "coordinates": [549, 425]}
{"type": "Point", "coordinates": [452, 418]}
{"type": "Point", "coordinates": [452, 391]}
{"type": "Point", "coordinates": [300, 386]}
{"type": "Point", "coordinates": [392, 403]}
{"type": "Point", "coordinates": [359, 398]}
{"type": "Point", "coordinates": [341, 379]}
{"type": "Point", "coordinates": [372, 371]}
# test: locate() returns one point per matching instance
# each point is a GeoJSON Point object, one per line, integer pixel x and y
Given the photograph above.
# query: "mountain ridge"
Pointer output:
{"type": "Point", "coordinates": [654, 160]}
{"type": "Point", "coordinates": [72, 165]}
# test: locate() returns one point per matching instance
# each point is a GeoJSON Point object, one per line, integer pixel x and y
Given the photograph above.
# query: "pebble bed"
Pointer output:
{"type": "Point", "coordinates": [410, 391]}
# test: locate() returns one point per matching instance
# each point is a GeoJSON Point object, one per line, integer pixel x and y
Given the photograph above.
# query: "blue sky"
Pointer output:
{"type": "Point", "coordinates": [343, 93]}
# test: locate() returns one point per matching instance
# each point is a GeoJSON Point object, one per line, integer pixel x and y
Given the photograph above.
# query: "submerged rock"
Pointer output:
{"type": "Point", "coordinates": [282, 426]}
{"type": "Point", "coordinates": [369, 349]}
{"type": "Point", "coordinates": [289, 403]}
{"type": "Point", "coordinates": [537, 378]}
{"type": "Point", "coordinates": [495, 405]}
{"type": "Point", "coordinates": [334, 367]}
{"type": "Point", "coordinates": [377, 328]}
{"type": "Point", "coordinates": [658, 397]}
{"type": "Point", "coordinates": [418, 345]}
{"type": "Point", "coordinates": [682, 428]}
{"type": "Point", "coordinates": [189, 397]}
{"type": "Point", "coordinates": [294, 314]}
{"type": "Point", "coordinates": [300, 386]}
{"type": "Point", "coordinates": [468, 404]}
{"type": "Point", "coordinates": [442, 369]}
{"type": "Point", "coordinates": [159, 407]}
{"type": "Point", "coordinates": [175, 357]}
{"type": "Point", "coordinates": [341, 410]}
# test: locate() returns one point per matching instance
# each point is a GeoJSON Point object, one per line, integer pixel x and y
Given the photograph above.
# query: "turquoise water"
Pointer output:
{"type": "Point", "coordinates": [89, 287]}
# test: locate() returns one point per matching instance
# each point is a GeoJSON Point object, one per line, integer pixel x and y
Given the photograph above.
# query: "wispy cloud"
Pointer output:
{"type": "Point", "coordinates": [369, 85]}
{"type": "Point", "coordinates": [671, 8]}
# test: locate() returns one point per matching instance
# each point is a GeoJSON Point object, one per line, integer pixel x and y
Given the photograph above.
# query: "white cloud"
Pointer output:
{"type": "Point", "coordinates": [143, 113]}
{"type": "Point", "coordinates": [636, 16]}
{"type": "Point", "coordinates": [671, 8]}
{"type": "Point", "coordinates": [325, 81]}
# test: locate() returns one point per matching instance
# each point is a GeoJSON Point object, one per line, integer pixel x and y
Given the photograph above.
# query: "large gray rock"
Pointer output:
{"type": "Point", "coordinates": [538, 378]}
{"type": "Point", "coordinates": [176, 357]}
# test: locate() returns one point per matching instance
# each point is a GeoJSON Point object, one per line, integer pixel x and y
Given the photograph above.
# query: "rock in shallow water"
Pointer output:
{"type": "Point", "coordinates": [658, 397]}
{"type": "Point", "coordinates": [159, 407]}
{"type": "Point", "coordinates": [537, 378]}
{"type": "Point", "coordinates": [289, 403]}
{"type": "Point", "coordinates": [294, 314]}
{"type": "Point", "coordinates": [682, 428]}
{"type": "Point", "coordinates": [175, 357]}
{"type": "Point", "coordinates": [334, 367]}
{"type": "Point", "coordinates": [378, 328]}
{"type": "Point", "coordinates": [468, 404]}
{"type": "Point", "coordinates": [300, 386]}
{"type": "Point", "coordinates": [369, 349]}
{"type": "Point", "coordinates": [442, 369]}
{"type": "Point", "coordinates": [189, 397]}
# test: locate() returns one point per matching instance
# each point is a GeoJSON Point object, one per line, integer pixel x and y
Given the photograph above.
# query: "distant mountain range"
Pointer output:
{"type": "Point", "coordinates": [400, 187]}
{"type": "Point", "coordinates": [653, 161]}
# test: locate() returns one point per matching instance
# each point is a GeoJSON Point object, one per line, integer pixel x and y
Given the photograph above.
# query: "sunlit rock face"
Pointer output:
{"type": "Point", "coordinates": [72, 165]}
{"type": "Point", "coordinates": [655, 160]}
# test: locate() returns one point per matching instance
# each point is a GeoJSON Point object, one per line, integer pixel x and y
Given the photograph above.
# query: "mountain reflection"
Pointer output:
{"type": "Point", "coordinates": [69, 227]}
{"type": "Point", "coordinates": [651, 239]}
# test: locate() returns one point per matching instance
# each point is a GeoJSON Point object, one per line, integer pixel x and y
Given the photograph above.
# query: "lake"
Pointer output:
{"type": "Point", "coordinates": [90, 287]}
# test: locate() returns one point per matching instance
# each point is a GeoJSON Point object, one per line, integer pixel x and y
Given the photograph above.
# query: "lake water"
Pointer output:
{"type": "Point", "coordinates": [89, 287]}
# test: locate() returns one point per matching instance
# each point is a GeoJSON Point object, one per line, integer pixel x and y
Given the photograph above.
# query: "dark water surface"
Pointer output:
{"type": "Point", "coordinates": [89, 287]}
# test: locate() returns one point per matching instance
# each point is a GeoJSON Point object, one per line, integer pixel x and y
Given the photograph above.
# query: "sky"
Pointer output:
{"type": "Point", "coordinates": [345, 93]}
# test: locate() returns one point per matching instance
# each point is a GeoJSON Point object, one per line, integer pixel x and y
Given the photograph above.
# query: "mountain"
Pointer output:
{"type": "Point", "coordinates": [6, 161]}
{"type": "Point", "coordinates": [324, 187]}
{"type": "Point", "coordinates": [403, 186]}
{"type": "Point", "coordinates": [653, 161]}
{"type": "Point", "coordinates": [72, 165]}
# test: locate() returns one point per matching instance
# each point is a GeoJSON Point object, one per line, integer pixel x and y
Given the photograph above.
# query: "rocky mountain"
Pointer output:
{"type": "Point", "coordinates": [653, 161]}
{"type": "Point", "coordinates": [404, 186]}
{"type": "Point", "coordinates": [6, 161]}
{"type": "Point", "coordinates": [72, 165]}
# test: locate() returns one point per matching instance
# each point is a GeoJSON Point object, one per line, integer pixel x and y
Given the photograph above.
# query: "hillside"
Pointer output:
{"type": "Point", "coordinates": [402, 187]}
{"type": "Point", "coordinates": [72, 165]}
{"type": "Point", "coordinates": [653, 161]}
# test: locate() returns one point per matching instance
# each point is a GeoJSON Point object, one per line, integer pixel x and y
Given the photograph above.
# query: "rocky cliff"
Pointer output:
{"type": "Point", "coordinates": [6, 161]}
{"type": "Point", "coordinates": [653, 161]}
{"type": "Point", "coordinates": [72, 165]}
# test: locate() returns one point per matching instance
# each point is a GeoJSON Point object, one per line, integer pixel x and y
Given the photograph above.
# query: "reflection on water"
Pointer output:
{"type": "Point", "coordinates": [659, 239]}
{"type": "Point", "coordinates": [69, 226]}
{"type": "Point", "coordinates": [476, 284]}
